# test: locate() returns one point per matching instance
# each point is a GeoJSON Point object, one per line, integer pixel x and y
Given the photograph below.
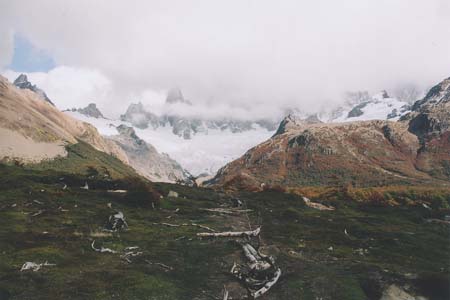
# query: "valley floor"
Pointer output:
{"type": "Point", "coordinates": [355, 252]}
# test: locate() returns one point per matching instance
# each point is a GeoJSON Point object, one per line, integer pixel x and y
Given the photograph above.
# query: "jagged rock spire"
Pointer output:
{"type": "Point", "coordinates": [23, 83]}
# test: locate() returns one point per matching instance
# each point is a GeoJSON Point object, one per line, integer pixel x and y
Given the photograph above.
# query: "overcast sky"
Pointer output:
{"type": "Point", "coordinates": [261, 55]}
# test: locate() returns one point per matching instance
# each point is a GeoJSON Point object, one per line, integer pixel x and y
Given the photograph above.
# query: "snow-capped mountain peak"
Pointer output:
{"type": "Point", "coordinates": [362, 107]}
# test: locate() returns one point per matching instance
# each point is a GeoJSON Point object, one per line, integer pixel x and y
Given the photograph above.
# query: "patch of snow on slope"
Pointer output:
{"type": "Point", "coordinates": [378, 108]}
{"type": "Point", "coordinates": [204, 153]}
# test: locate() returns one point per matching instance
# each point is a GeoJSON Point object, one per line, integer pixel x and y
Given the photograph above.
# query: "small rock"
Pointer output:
{"type": "Point", "coordinates": [172, 194]}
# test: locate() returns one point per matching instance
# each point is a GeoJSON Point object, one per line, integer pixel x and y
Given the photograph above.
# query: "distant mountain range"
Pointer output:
{"type": "Point", "coordinates": [202, 145]}
{"type": "Point", "coordinates": [187, 127]}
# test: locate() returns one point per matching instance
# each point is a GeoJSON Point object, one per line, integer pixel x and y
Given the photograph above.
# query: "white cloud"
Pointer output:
{"type": "Point", "coordinates": [71, 87]}
{"type": "Point", "coordinates": [257, 54]}
{"type": "Point", "coordinates": [6, 46]}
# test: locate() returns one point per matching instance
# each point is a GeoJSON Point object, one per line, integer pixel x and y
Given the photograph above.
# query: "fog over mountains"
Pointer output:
{"type": "Point", "coordinates": [230, 58]}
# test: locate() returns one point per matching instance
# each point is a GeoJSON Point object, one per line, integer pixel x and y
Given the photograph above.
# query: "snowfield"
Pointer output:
{"type": "Point", "coordinates": [204, 153]}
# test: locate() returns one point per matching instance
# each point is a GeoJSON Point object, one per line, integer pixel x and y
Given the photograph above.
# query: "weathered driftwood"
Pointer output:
{"type": "Point", "coordinates": [102, 249]}
{"type": "Point", "coordinates": [252, 233]}
{"type": "Point", "coordinates": [261, 273]}
{"type": "Point", "coordinates": [164, 266]}
{"type": "Point", "coordinates": [257, 262]}
{"type": "Point", "coordinates": [167, 224]}
{"type": "Point", "coordinates": [41, 211]}
{"type": "Point", "coordinates": [29, 265]}
{"type": "Point", "coordinates": [228, 211]}
{"type": "Point", "coordinates": [315, 205]}
{"type": "Point", "coordinates": [268, 285]}
{"type": "Point", "coordinates": [225, 293]}
{"type": "Point", "coordinates": [117, 191]}
{"type": "Point", "coordinates": [202, 226]}
{"type": "Point", "coordinates": [186, 224]}
{"type": "Point", "coordinates": [130, 252]}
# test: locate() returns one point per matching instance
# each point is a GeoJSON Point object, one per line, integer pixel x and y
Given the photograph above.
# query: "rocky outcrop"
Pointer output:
{"type": "Point", "coordinates": [139, 117]}
{"type": "Point", "coordinates": [90, 111]}
{"type": "Point", "coordinates": [175, 95]}
{"type": "Point", "coordinates": [146, 160]}
{"type": "Point", "coordinates": [23, 83]}
{"type": "Point", "coordinates": [431, 115]}
{"type": "Point", "coordinates": [414, 150]}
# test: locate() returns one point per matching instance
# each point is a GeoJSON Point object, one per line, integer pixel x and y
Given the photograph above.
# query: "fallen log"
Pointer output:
{"type": "Point", "coordinates": [252, 233]}
{"type": "Point", "coordinates": [225, 293]}
{"type": "Point", "coordinates": [186, 224]}
{"type": "Point", "coordinates": [316, 205]}
{"type": "Point", "coordinates": [268, 285]}
{"type": "Point", "coordinates": [227, 211]}
{"type": "Point", "coordinates": [41, 211]}
{"type": "Point", "coordinates": [164, 266]}
{"type": "Point", "coordinates": [102, 249]}
{"type": "Point", "coordinates": [131, 253]}
{"type": "Point", "coordinates": [29, 265]}
{"type": "Point", "coordinates": [257, 262]}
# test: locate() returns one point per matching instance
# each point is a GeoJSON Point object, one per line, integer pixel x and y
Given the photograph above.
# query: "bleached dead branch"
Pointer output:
{"type": "Point", "coordinates": [186, 224]}
{"type": "Point", "coordinates": [38, 213]}
{"type": "Point", "coordinates": [317, 206]}
{"type": "Point", "coordinates": [229, 211]}
{"type": "Point", "coordinates": [102, 249]}
{"type": "Point", "coordinates": [34, 266]}
{"type": "Point", "coordinates": [130, 252]}
{"type": "Point", "coordinates": [225, 293]}
{"type": "Point", "coordinates": [252, 233]}
{"type": "Point", "coordinates": [267, 285]}
{"type": "Point", "coordinates": [164, 266]}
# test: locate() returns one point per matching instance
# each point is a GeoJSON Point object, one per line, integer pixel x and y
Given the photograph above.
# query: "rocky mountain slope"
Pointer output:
{"type": "Point", "coordinates": [204, 144]}
{"type": "Point", "coordinates": [23, 83]}
{"type": "Point", "coordinates": [22, 112]}
{"type": "Point", "coordinates": [304, 152]}
{"type": "Point", "coordinates": [146, 160]}
{"type": "Point", "coordinates": [32, 130]}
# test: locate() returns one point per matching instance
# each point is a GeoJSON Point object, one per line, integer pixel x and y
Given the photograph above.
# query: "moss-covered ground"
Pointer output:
{"type": "Point", "coordinates": [352, 252]}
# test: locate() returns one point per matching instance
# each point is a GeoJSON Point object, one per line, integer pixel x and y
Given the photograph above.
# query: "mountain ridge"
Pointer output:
{"type": "Point", "coordinates": [413, 150]}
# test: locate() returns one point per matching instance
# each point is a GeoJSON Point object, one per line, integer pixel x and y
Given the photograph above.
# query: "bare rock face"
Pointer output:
{"type": "Point", "coordinates": [90, 111]}
{"type": "Point", "coordinates": [146, 160]}
{"type": "Point", "coordinates": [431, 115]}
{"type": "Point", "coordinates": [176, 96]}
{"type": "Point", "coordinates": [366, 153]}
{"type": "Point", "coordinates": [393, 292]}
{"type": "Point", "coordinates": [139, 117]}
{"type": "Point", "coordinates": [23, 83]}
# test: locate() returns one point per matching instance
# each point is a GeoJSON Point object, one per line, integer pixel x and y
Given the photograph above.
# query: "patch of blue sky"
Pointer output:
{"type": "Point", "coordinates": [28, 58]}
